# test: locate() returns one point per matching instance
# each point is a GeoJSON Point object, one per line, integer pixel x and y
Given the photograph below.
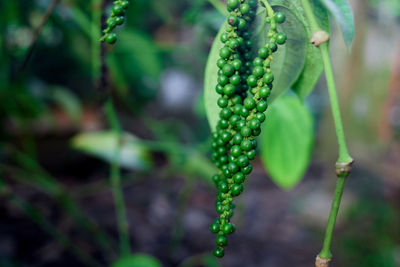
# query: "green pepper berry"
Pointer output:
{"type": "Point", "coordinates": [263, 52]}
{"type": "Point", "coordinates": [249, 103]}
{"type": "Point", "coordinates": [111, 38]}
{"type": "Point", "coordinates": [225, 52]}
{"type": "Point", "coordinates": [246, 145]}
{"type": "Point", "coordinates": [242, 24]}
{"type": "Point", "coordinates": [244, 8]}
{"type": "Point", "coordinates": [233, 43]}
{"type": "Point", "coordinates": [226, 136]}
{"type": "Point", "coordinates": [214, 227]}
{"type": "Point", "coordinates": [273, 46]}
{"type": "Point", "coordinates": [237, 139]}
{"type": "Point", "coordinates": [235, 79]}
{"type": "Point", "coordinates": [223, 187]}
{"type": "Point", "coordinates": [223, 124]}
{"type": "Point", "coordinates": [258, 71]}
{"type": "Point", "coordinates": [280, 17]}
{"type": "Point", "coordinates": [281, 38]}
{"type": "Point", "coordinates": [237, 189]}
{"type": "Point", "coordinates": [260, 116]}
{"type": "Point", "coordinates": [125, 4]}
{"type": "Point", "coordinates": [223, 80]}
{"type": "Point", "coordinates": [265, 91]}
{"type": "Point", "coordinates": [221, 63]}
{"type": "Point", "coordinates": [222, 102]}
{"type": "Point", "coordinates": [227, 228]}
{"type": "Point", "coordinates": [233, 167]}
{"type": "Point", "coordinates": [119, 20]}
{"type": "Point", "coordinates": [233, 20]}
{"type": "Point", "coordinates": [221, 241]}
{"type": "Point", "coordinates": [234, 119]}
{"type": "Point", "coordinates": [268, 78]}
{"type": "Point", "coordinates": [228, 70]}
{"type": "Point", "coordinates": [252, 81]}
{"type": "Point", "coordinates": [219, 208]}
{"type": "Point", "coordinates": [254, 124]}
{"type": "Point", "coordinates": [219, 252]}
{"type": "Point", "coordinates": [246, 170]}
{"type": "Point", "coordinates": [245, 131]}
{"type": "Point", "coordinates": [118, 10]}
{"type": "Point", "coordinates": [243, 161]}
{"type": "Point", "coordinates": [238, 178]}
{"type": "Point", "coordinates": [224, 37]}
{"type": "Point", "coordinates": [236, 151]}
{"type": "Point", "coordinates": [251, 154]}
{"type": "Point", "coordinates": [229, 89]}
{"type": "Point", "coordinates": [244, 112]}
{"type": "Point", "coordinates": [219, 89]}
{"type": "Point", "coordinates": [262, 106]}
{"type": "Point", "coordinates": [258, 61]}
{"type": "Point", "coordinates": [237, 64]}
{"type": "Point", "coordinates": [232, 3]}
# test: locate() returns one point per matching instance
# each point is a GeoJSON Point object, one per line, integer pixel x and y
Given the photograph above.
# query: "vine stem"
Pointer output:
{"type": "Point", "coordinates": [115, 179]}
{"type": "Point", "coordinates": [344, 162]}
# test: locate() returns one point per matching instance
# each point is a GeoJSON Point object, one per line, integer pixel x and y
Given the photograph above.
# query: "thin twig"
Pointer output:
{"type": "Point", "coordinates": [36, 33]}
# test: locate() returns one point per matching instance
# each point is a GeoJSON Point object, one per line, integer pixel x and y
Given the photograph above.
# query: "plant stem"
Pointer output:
{"type": "Point", "coordinates": [343, 165]}
{"type": "Point", "coordinates": [268, 7]}
{"type": "Point", "coordinates": [115, 179]}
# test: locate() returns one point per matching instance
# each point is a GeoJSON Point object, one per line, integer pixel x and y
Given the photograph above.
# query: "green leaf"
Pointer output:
{"type": "Point", "coordinates": [286, 141]}
{"type": "Point", "coordinates": [290, 58]}
{"type": "Point", "coordinates": [133, 155]}
{"type": "Point", "coordinates": [210, 81]}
{"type": "Point", "coordinates": [137, 260]}
{"type": "Point", "coordinates": [343, 14]}
{"type": "Point", "coordinates": [313, 66]}
{"type": "Point", "coordinates": [287, 66]}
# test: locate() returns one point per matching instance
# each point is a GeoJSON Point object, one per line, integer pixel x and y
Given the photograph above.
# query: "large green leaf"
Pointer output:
{"type": "Point", "coordinates": [210, 81]}
{"type": "Point", "coordinates": [287, 66]}
{"type": "Point", "coordinates": [287, 140]}
{"type": "Point", "coordinates": [133, 155]}
{"type": "Point", "coordinates": [342, 12]}
{"type": "Point", "coordinates": [137, 260]}
{"type": "Point", "coordinates": [313, 66]}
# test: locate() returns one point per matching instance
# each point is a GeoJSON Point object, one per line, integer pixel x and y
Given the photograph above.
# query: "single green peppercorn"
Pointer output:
{"type": "Point", "coordinates": [281, 38]}
{"type": "Point", "coordinates": [237, 189]}
{"type": "Point", "coordinates": [111, 38]}
{"type": "Point", "coordinates": [236, 151]}
{"type": "Point", "coordinates": [268, 77]}
{"type": "Point", "coordinates": [262, 106]}
{"type": "Point", "coordinates": [232, 3]}
{"type": "Point", "coordinates": [222, 102]}
{"type": "Point", "coordinates": [238, 178]}
{"type": "Point", "coordinates": [243, 161]}
{"type": "Point", "coordinates": [219, 252]}
{"type": "Point", "coordinates": [258, 71]}
{"type": "Point", "coordinates": [280, 17]}
{"type": "Point", "coordinates": [225, 52]}
{"type": "Point", "coordinates": [215, 227]}
{"type": "Point", "coordinates": [245, 131]}
{"type": "Point", "coordinates": [263, 52]}
{"type": "Point", "coordinates": [221, 241]}
{"type": "Point", "coordinates": [223, 187]}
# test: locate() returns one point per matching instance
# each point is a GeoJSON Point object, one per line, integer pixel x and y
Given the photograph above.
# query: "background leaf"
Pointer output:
{"type": "Point", "coordinates": [210, 81]}
{"type": "Point", "coordinates": [313, 66]}
{"type": "Point", "coordinates": [290, 58]}
{"type": "Point", "coordinates": [342, 12]}
{"type": "Point", "coordinates": [137, 260]}
{"type": "Point", "coordinates": [287, 140]}
{"type": "Point", "coordinates": [102, 145]}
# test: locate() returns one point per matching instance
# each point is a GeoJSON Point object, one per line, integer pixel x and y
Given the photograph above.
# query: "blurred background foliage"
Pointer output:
{"type": "Point", "coordinates": [56, 205]}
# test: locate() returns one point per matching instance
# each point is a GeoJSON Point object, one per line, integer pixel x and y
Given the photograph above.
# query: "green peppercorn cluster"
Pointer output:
{"type": "Point", "coordinates": [117, 18]}
{"type": "Point", "coordinates": [244, 87]}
